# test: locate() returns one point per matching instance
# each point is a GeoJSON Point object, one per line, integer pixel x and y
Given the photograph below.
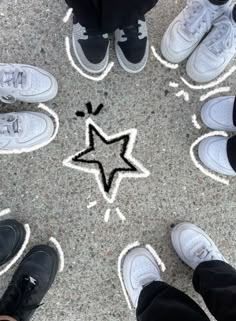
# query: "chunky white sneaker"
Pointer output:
{"type": "Point", "coordinates": [213, 154]}
{"type": "Point", "coordinates": [24, 129]}
{"type": "Point", "coordinates": [138, 270]}
{"type": "Point", "coordinates": [188, 28]}
{"type": "Point", "coordinates": [218, 113]}
{"type": "Point", "coordinates": [26, 83]}
{"type": "Point", "coordinates": [216, 51]}
{"type": "Point", "coordinates": [193, 245]}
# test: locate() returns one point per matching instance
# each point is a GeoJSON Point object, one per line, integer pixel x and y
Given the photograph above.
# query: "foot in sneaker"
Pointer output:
{"type": "Point", "coordinates": [139, 269]}
{"type": "Point", "coordinates": [131, 45]}
{"type": "Point", "coordinates": [214, 54]}
{"type": "Point", "coordinates": [26, 83]}
{"type": "Point", "coordinates": [188, 28]}
{"type": "Point", "coordinates": [12, 236]}
{"type": "Point", "coordinates": [24, 129]}
{"type": "Point", "coordinates": [193, 245]}
{"type": "Point", "coordinates": [30, 283]}
{"type": "Point", "coordinates": [220, 113]}
{"type": "Point", "coordinates": [91, 48]}
{"type": "Point", "coordinates": [215, 153]}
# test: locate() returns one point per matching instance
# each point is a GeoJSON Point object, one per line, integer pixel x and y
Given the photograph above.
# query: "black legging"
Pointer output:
{"type": "Point", "coordinates": [214, 280]}
{"type": "Point", "coordinates": [108, 15]}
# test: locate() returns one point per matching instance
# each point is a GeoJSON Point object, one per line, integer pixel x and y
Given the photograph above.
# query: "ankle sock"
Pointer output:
{"type": "Point", "coordinates": [234, 13]}
{"type": "Point", "coordinates": [218, 2]}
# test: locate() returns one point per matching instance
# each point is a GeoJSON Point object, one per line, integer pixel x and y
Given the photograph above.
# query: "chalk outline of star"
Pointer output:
{"type": "Point", "coordinates": [141, 172]}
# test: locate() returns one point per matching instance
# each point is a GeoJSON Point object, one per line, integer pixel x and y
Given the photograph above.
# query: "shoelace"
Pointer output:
{"type": "Point", "coordinates": [13, 78]}
{"type": "Point", "coordinates": [132, 31]}
{"type": "Point", "coordinates": [18, 298]}
{"type": "Point", "coordinates": [194, 22]}
{"type": "Point", "coordinates": [10, 126]}
{"type": "Point", "coordinates": [204, 254]}
{"type": "Point", "coordinates": [222, 38]}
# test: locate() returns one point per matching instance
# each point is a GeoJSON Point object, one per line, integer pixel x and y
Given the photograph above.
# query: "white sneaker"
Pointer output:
{"type": "Point", "coordinates": [193, 245]}
{"type": "Point", "coordinates": [188, 28]}
{"type": "Point", "coordinates": [218, 113]}
{"type": "Point", "coordinates": [214, 54]}
{"type": "Point", "coordinates": [212, 152]}
{"type": "Point", "coordinates": [139, 269]}
{"type": "Point", "coordinates": [26, 83]}
{"type": "Point", "coordinates": [24, 129]}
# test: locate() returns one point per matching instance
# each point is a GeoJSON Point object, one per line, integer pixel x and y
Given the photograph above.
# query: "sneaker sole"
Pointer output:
{"type": "Point", "coordinates": [92, 71]}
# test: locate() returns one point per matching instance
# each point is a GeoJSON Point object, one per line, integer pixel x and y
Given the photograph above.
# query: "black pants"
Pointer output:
{"type": "Point", "coordinates": [214, 280]}
{"type": "Point", "coordinates": [108, 15]}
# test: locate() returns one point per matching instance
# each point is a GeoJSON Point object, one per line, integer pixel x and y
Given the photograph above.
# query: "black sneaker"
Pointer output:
{"type": "Point", "coordinates": [132, 48]}
{"type": "Point", "coordinates": [30, 283]}
{"type": "Point", "coordinates": [12, 236]}
{"type": "Point", "coordinates": [91, 48]}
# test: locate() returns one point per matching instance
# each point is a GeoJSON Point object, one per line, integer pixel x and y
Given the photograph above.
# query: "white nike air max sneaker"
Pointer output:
{"type": "Point", "coordinates": [213, 153]}
{"type": "Point", "coordinates": [26, 83]}
{"type": "Point", "coordinates": [219, 113]}
{"type": "Point", "coordinates": [216, 51]}
{"type": "Point", "coordinates": [188, 29]}
{"type": "Point", "coordinates": [139, 269]}
{"type": "Point", "coordinates": [24, 130]}
{"type": "Point", "coordinates": [193, 245]}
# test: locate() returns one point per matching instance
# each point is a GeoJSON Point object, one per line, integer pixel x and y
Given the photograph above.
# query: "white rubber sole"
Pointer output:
{"type": "Point", "coordinates": [92, 71]}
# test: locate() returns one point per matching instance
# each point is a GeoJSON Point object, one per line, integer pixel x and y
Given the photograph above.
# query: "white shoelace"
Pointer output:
{"type": "Point", "coordinates": [11, 126]}
{"type": "Point", "coordinates": [13, 78]}
{"type": "Point", "coordinates": [204, 254]}
{"type": "Point", "coordinates": [195, 22]}
{"type": "Point", "coordinates": [223, 38]}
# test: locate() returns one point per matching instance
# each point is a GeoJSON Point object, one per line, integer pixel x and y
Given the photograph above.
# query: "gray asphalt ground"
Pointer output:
{"type": "Point", "coordinates": [53, 199]}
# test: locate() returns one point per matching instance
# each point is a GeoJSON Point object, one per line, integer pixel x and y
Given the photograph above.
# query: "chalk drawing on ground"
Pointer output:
{"type": "Point", "coordinates": [108, 182]}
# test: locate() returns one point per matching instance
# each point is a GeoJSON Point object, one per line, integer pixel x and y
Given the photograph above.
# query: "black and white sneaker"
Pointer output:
{"type": "Point", "coordinates": [30, 283]}
{"type": "Point", "coordinates": [91, 48]}
{"type": "Point", "coordinates": [132, 46]}
{"type": "Point", "coordinates": [12, 235]}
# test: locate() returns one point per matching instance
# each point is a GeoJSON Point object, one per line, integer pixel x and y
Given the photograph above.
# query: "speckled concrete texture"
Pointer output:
{"type": "Point", "coordinates": [53, 199]}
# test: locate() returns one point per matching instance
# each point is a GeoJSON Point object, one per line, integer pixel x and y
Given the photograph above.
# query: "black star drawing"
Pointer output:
{"type": "Point", "coordinates": [108, 182]}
